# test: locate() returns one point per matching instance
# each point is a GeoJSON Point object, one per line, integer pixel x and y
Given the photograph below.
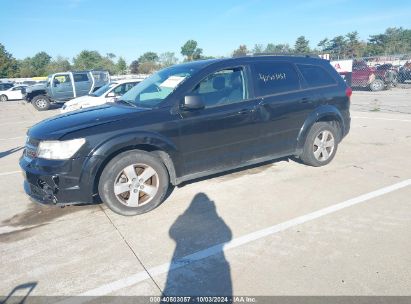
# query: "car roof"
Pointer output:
{"type": "Point", "coordinates": [279, 57]}
{"type": "Point", "coordinates": [297, 58]}
{"type": "Point", "coordinates": [199, 64]}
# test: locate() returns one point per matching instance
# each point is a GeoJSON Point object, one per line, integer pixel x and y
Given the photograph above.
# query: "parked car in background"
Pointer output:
{"type": "Point", "coordinates": [185, 122]}
{"type": "Point", "coordinates": [404, 73]}
{"type": "Point", "coordinates": [13, 93]}
{"type": "Point", "coordinates": [61, 87]}
{"type": "Point", "coordinates": [5, 86]}
{"type": "Point", "coordinates": [389, 73]}
{"type": "Point", "coordinates": [374, 78]}
{"type": "Point", "coordinates": [31, 82]}
{"type": "Point", "coordinates": [106, 93]}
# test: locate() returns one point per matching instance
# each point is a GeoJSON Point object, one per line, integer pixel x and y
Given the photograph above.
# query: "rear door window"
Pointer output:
{"type": "Point", "coordinates": [315, 76]}
{"type": "Point", "coordinates": [272, 77]}
{"type": "Point", "coordinates": [80, 77]}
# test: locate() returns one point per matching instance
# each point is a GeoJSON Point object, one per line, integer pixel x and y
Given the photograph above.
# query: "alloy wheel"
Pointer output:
{"type": "Point", "coordinates": [324, 144]}
{"type": "Point", "coordinates": [136, 185]}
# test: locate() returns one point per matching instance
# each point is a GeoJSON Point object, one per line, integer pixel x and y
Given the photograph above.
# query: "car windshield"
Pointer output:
{"type": "Point", "coordinates": [153, 90]}
{"type": "Point", "coordinates": [103, 89]}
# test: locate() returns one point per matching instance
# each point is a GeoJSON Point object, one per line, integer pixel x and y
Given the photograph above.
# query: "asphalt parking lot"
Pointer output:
{"type": "Point", "coordinates": [280, 228]}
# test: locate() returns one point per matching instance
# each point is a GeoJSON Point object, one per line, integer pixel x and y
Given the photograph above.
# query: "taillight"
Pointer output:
{"type": "Point", "coordinates": [348, 92]}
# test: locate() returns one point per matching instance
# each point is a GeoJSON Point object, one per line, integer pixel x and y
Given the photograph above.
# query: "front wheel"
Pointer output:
{"type": "Point", "coordinates": [321, 144]}
{"type": "Point", "coordinates": [133, 182]}
{"type": "Point", "coordinates": [3, 98]}
{"type": "Point", "coordinates": [41, 103]}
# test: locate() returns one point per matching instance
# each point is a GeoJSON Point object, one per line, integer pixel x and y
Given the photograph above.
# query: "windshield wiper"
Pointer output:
{"type": "Point", "coordinates": [128, 102]}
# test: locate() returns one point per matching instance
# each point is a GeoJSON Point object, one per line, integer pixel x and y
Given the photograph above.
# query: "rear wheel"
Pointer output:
{"type": "Point", "coordinates": [3, 98]}
{"type": "Point", "coordinates": [321, 144]}
{"type": "Point", "coordinates": [41, 103]}
{"type": "Point", "coordinates": [377, 85]}
{"type": "Point", "coordinates": [134, 182]}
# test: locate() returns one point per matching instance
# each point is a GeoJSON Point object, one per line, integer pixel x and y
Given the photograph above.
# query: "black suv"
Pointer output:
{"type": "Point", "coordinates": [185, 122]}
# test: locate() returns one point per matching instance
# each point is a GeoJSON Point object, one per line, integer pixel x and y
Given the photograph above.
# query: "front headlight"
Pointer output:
{"type": "Point", "coordinates": [59, 149]}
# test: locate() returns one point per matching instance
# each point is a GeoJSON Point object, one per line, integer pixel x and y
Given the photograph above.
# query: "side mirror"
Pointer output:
{"type": "Point", "coordinates": [111, 94]}
{"type": "Point", "coordinates": [193, 102]}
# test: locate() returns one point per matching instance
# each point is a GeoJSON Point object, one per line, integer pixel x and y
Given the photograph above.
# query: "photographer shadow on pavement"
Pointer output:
{"type": "Point", "coordinates": [198, 232]}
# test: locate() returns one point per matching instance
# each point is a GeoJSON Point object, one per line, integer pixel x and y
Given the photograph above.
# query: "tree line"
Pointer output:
{"type": "Point", "coordinates": [392, 41]}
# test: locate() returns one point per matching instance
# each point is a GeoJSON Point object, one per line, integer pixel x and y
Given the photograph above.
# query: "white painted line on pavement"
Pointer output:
{"type": "Point", "coordinates": [9, 173]}
{"type": "Point", "coordinates": [382, 118]}
{"type": "Point", "coordinates": [10, 138]}
{"type": "Point", "coordinates": [237, 242]}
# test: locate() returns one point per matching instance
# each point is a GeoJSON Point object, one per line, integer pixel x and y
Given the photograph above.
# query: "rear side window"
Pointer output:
{"type": "Point", "coordinates": [275, 77]}
{"type": "Point", "coordinates": [124, 88]}
{"type": "Point", "coordinates": [316, 76]}
{"type": "Point", "coordinates": [80, 77]}
{"type": "Point", "coordinates": [5, 86]}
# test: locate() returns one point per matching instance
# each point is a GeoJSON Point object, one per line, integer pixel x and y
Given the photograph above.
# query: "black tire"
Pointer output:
{"type": "Point", "coordinates": [115, 168]}
{"type": "Point", "coordinates": [377, 85]}
{"type": "Point", "coordinates": [308, 156]}
{"type": "Point", "coordinates": [41, 103]}
{"type": "Point", "coordinates": [3, 98]}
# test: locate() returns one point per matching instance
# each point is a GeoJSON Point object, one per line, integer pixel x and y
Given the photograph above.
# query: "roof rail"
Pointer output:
{"type": "Point", "coordinates": [287, 54]}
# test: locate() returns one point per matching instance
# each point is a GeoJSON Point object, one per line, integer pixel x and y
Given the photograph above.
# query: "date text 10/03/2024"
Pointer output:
{"type": "Point", "coordinates": [200, 299]}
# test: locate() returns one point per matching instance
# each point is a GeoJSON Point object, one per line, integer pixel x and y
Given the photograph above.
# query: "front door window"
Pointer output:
{"type": "Point", "coordinates": [223, 87]}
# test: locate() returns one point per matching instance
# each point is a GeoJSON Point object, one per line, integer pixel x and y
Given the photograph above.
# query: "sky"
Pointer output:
{"type": "Point", "coordinates": [129, 28]}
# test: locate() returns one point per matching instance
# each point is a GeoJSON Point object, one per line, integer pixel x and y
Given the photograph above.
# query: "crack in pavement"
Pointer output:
{"type": "Point", "coordinates": [131, 249]}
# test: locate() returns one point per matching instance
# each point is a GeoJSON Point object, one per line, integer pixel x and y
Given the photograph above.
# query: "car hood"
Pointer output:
{"type": "Point", "coordinates": [56, 127]}
{"type": "Point", "coordinates": [35, 87]}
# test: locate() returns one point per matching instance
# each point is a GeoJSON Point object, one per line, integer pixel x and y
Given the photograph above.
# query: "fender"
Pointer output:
{"type": "Point", "coordinates": [322, 113]}
{"type": "Point", "coordinates": [133, 139]}
{"type": "Point", "coordinates": [105, 151]}
{"type": "Point", "coordinates": [29, 96]}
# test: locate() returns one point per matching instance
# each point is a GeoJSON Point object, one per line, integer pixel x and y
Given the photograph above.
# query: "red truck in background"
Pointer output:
{"type": "Point", "coordinates": [375, 78]}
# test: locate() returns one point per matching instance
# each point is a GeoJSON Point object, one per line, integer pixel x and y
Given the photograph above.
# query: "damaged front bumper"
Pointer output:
{"type": "Point", "coordinates": [56, 182]}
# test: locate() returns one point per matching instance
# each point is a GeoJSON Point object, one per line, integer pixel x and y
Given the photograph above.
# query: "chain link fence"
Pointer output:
{"type": "Point", "coordinates": [376, 73]}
